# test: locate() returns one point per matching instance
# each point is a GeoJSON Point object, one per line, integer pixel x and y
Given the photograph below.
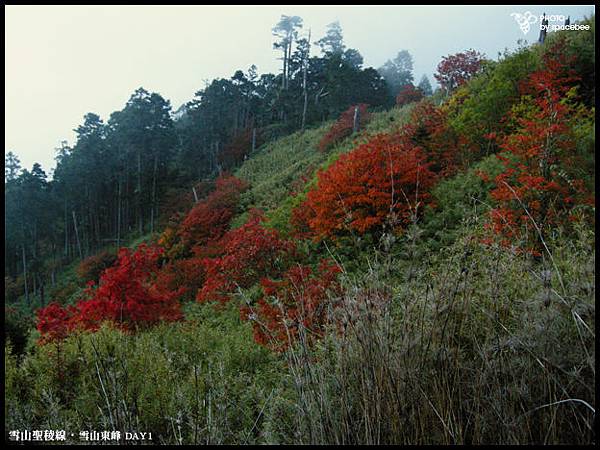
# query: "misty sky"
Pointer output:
{"type": "Point", "coordinates": [64, 61]}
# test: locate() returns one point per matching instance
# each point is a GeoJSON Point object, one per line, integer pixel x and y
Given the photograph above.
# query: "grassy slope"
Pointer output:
{"type": "Point", "coordinates": [276, 166]}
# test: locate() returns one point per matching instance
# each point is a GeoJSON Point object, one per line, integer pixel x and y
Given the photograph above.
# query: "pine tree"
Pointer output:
{"type": "Point", "coordinates": [425, 86]}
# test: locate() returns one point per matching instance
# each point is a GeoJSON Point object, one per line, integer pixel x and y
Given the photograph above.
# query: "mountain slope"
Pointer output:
{"type": "Point", "coordinates": [467, 319]}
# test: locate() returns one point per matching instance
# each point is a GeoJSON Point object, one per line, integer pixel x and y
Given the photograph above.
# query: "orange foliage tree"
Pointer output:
{"type": "Point", "coordinates": [386, 179]}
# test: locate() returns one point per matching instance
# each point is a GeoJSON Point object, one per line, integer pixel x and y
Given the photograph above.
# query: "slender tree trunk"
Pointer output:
{"type": "Point", "coordinates": [289, 57]}
{"type": "Point", "coordinates": [98, 227]}
{"type": "Point", "coordinates": [356, 123]}
{"type": "Point", "coordinates": [119, 216]}
{"type": "Point", "coordinates": [284, 66]}
{"type": "Point", "coordinates": [304, 83]}
{"type": "Point", "coordinates": [77, 235]}
{"type": "Point", "coordinates": [42, 298]}
{"type": "Point", "coordinates": [153, 212]}
{"type": "Point", "coordinates": [253, 139]}
{"type": "Point", "coordinates": [34, 248]}
{"type": "Point", "coordinates": [139, 192]}
{"type": "Point", "coordinates": [216, 154]}
{"type": "Point", "coordinates": [126, 212]}
{"type": "Point", "coordinates": [25, 273]}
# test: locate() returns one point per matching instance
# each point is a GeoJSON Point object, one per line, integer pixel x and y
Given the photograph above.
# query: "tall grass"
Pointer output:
{"type": "Point", "coordinates": [480, 346]}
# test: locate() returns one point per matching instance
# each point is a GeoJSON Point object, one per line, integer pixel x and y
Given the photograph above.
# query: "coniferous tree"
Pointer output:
{"type": "Point", "coordinates": [12, 166]}
{"type": "Point", "coordinates": [425, 86]}
{"type": "Point", "coordinates": [398, 72]}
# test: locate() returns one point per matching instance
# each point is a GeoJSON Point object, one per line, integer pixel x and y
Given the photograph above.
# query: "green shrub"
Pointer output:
{"type": "Point", "coordinates": [458, 200]}
{"type": "Point", "coordinates": [17, 324]}
{"type": "Point", "coordinates": [479, 106]}
{"type": "Point", "coordinates": [201, 381]}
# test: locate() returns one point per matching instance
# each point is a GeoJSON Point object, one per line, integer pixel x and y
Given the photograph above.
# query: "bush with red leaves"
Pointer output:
{"type": "Point", "coordinates": [127, 295]}
{"type": "Point", "coordinates": [344, 126]}
{"type": "Point", "coordinates": [446, 150]}
{"type": "Point", "coordinates": [535, 192]}
{"type": "Point", "coordinates": [455, 70]}
{"type": "Point", "coordinates": [383, 181]}
{"type": "Point", "coordinates": [210, 218]}
{"type": "Point", "coordinates": [298, 302]}
{"type": "Point", "coordinates": [248, 253]}
{"type": "Point", "coordinates": [92, 267]}
{"type": "Point", "coordinates": [187, 273]}
{"type": "Point", "coordinates": [408, 94]}
{"type": "Point", "coordinates": [238, 148]}
{"type": "Point", "coordinates": [55, 322]}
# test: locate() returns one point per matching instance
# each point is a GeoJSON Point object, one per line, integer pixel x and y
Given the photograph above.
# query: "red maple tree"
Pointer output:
{"type": "Point", "coordinates": [385, 180]}
{"type": "Point", "coordinates": [408, 94]}
{"type": "Point", "coordinates": [298, 301]}
{"type": "Point", "coordinates": [127, 295]}
{"type": "Point", "coordinates": [455, 70]}
{"type": "Point", "coordinates": [55, 322]}
{"type": "Point", "coordinates": [92, 267]}
{"type": "Point", "coordinates": [209, 219]}
{"type": "Point", "coordinates": [446, 150]}
{"type": "Point", "coordinates": [247, 254]}
{"type": "Point", "coordinates": [534, 191]}
{"type": "Point", "coordinates": [239, 147]}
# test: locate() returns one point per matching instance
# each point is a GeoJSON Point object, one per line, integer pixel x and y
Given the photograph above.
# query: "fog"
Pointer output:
{"type": "Point", "coordinates": [64, 61]}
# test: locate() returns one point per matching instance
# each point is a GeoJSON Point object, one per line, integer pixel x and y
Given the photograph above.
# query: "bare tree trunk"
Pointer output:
{"type": "Point", "coordinates": [42, 298]}
{"type": "Point", "coordinates": [304, 86]}
{"type": "Point", "coordinates": [284, 67]}
{"type": "Point", "coordinates": [195, 194]}
{"type": "Point", "coordinates": [66, 231]}
{"type": "Point", "coordinates": [253, 139]}
{"type": "Point", "coordinates": [139, 193]}
{"type": "Point", "coordinates": [77, 235]}
{"type": "Point", "coordinates": [356, 119]}
{"type": "Point", "coordinates": [34, 247]}
{"type": "Point", "coordinates": [126, 207]}
{"type": "Point", "coordinates": [289, 57]}
{"type": "Point", "coordinates": [25, 272]}
{"type": "Point", "coordinates": [119, 215]}
{"type": "Point", "coordinates": [97, 226]}
{"type": "Point", "coordinates": [219, 168]}
{"type": "Point", "coordinates": [153, 212]}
